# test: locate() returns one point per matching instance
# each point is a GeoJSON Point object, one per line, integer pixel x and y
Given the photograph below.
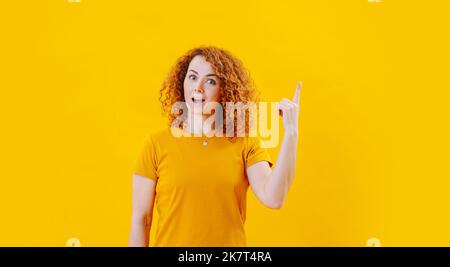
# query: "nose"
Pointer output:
{"type": "Point", "coordinates": [198, 88]}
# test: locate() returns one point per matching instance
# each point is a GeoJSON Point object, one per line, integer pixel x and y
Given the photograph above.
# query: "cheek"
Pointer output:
{"type": "Point", "coordinates": [186, 88]}
{"type": "Point", "coordinates": [215, 94]}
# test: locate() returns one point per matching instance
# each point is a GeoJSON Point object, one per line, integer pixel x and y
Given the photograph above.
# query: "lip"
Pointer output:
{"type": "Point", "coordinates": [197, 100]}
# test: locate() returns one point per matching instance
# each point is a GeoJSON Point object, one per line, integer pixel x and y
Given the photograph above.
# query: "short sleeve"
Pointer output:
{"type": "Point", "coordinates": [147, 163]}
{"type": "Point", "coordinates": [255, 153]}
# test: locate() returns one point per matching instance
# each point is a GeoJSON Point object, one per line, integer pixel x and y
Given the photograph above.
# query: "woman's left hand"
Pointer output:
{"type": "Point", "coordinates": [289, 110]}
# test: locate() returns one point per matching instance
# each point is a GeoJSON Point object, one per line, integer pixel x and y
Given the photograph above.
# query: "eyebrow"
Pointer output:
{"type": "Point", "coordinates": [212, 74]}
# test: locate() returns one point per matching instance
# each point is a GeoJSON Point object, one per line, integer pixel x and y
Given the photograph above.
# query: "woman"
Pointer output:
{"type": "Point", "coordinates": [199, 182]}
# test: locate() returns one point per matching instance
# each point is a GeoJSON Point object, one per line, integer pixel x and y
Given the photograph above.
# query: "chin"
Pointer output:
{"type": "Point", "coordinates": [195, 109]}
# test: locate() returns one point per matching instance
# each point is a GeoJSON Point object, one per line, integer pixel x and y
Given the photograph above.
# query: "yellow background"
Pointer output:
{"type": "Point", "coordinates": [79, 85]}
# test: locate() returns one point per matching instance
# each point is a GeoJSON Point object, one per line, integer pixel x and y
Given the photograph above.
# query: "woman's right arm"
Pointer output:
{"type": "Point", "coordinates": [142, 211]}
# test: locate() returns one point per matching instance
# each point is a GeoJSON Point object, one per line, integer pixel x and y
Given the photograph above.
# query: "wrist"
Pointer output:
{"type": "Point", "coordinates": [291, 134]}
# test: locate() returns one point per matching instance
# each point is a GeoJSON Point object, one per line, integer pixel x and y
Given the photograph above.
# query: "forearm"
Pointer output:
{"type": "Point", "coordinates": [140, 231]}
{"type": "Point", "coordinates": [280, 179]}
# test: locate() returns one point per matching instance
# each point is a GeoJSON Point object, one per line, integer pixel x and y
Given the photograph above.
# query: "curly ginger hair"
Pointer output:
{"type": "Point", "coordinates": [236, 83]}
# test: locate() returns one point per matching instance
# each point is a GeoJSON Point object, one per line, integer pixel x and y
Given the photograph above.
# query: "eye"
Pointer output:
{"type": "Point", "coordinates": [192, 77]}
{"type": "Point", "coordinates": [211, 81]}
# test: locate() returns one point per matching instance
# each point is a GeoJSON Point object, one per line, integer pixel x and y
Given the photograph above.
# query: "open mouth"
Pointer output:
{"type": "Point", "coordinates": [197, 100]}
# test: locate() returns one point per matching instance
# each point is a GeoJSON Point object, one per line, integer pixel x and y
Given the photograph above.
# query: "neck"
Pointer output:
{"type": "Point", "coordinates": [195, 122]}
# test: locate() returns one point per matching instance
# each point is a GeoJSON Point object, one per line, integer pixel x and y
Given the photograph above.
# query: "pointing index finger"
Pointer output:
{"type": "Point", "coordinates": [296, 98]}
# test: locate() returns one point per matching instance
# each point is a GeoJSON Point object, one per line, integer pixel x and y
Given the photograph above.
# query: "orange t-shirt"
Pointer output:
{"type": "Point", "coordinates": [201, 191]}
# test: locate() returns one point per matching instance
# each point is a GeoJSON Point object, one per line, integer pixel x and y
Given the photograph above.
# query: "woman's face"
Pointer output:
{"type": "Point", "coordinates": [201, 85]}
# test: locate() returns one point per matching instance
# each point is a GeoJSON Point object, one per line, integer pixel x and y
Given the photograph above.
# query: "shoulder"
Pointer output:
{"type": "Point", "coordinates": [248, 144]}
{"type": "Point", "coordinates": [255, 151]}
{"type": "Point", "coordinates": [158, 135]}
{"type": "Point", "coordinates": [252, 141]}
{"type": "Point", "coordinates": [155, 139]}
